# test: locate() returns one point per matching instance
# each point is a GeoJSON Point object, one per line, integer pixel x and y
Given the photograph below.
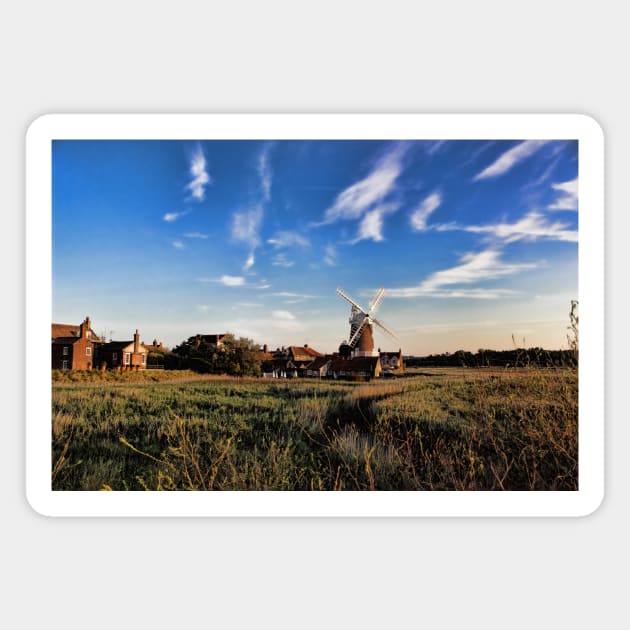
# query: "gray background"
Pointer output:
{"type": "Point", "coordinates": [317, 57]}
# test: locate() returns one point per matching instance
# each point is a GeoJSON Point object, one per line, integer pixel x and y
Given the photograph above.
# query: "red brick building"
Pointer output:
{"type": "Point", "coordinates": [124, 355]}
{"type": "Point", "coordinates": [74, 347]}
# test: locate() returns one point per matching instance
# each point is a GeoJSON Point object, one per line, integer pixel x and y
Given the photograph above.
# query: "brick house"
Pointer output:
{"type": "Point", "coordinates": [356, 368]}
{"type": "Point", "coordinates": [124, 355]}
{"type": "Point", "coordinates": [74, 347]}
{"type": "Point", "coordinates": [392, 360]}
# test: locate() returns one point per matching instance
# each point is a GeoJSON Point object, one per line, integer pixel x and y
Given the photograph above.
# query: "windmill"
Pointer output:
{"type": "Point", "coordinates": [361, 341]}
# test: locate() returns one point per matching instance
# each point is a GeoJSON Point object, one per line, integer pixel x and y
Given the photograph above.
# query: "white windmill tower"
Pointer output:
{"type": "Point", "coordinates": [361, 340]}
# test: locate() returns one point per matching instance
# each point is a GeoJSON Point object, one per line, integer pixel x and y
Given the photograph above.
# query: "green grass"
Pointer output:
{"type": "Point", "coordinates": [436, 429]}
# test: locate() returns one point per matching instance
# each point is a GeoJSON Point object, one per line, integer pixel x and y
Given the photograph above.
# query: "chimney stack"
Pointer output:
{"type": "Point", "coordinates": [136, 342]}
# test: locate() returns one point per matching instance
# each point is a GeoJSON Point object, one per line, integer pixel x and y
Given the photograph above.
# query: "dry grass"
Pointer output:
{"type": "Point", "coordinates": [441, 429]}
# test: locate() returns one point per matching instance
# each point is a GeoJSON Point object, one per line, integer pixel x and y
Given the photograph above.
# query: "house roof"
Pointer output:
{"type": "Point", "coordinates": [70, 331]}
{"type": "Point", "coordinates": [318, 363]}
{"type": "Point", "coordinates": [303, 353]}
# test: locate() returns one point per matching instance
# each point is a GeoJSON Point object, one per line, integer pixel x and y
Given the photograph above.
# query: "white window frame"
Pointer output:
{"type": "Point", "coordinates": [88, 352]}
{"type": "Point", "coordinates": [114, 356]}
{"type": "Point", "coordinates": [144, 356]}
{"type": "Point", "coordinates": [127, 358]}
{"type": "Point", "coordinates": [64, 364]}
{"type": "Point", "coordinates": [66, 351]}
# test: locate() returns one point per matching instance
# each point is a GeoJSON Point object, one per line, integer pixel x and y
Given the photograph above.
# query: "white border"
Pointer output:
{"type": "Point", "coordinates": [314, 126]}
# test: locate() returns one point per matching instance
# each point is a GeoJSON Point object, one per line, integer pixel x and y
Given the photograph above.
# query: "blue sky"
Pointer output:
{"type": "Point", "coordinates": [474, 241]}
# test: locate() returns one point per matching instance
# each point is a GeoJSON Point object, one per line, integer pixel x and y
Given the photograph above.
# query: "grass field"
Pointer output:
{"type": "Point", "coordinates": [434, 429]}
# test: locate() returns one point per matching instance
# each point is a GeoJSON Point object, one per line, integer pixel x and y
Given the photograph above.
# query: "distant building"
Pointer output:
{"type": "Point", "coordinates": [391, 361]}
{"type": "Point", "coordinates": [124, 355]}
{"type": "Point", "coordinates": [74, 347]}
{"type": "Point", "coordinates": [211, 340]}
{"type": "Point", "coordinates": [355, 368]}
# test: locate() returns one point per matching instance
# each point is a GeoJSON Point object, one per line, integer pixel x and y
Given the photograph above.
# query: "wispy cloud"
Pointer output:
{"type": "Point", "coordinates": [568, 196]}
{"type": "Point", "coordinates": [474, 268]}
{"type": "Point", "coordinates": [330, 255]}
{"type": "Point", "coordinates": [249, 263]}
{"type": "Point", "coordinates": [533, 226]}
{"type": "Point", "coordinates": [178, 244]}
{"type": "Point", "coordinates": [434, 146]}
{"type": "Point", "coordinates": [199, 174]}
{"type": "Point", "coordinates": [510, 158]}
{"type": "Point", "coordinates": [264, 171]}
{"type": "Point", "coordinates": [286, 315]}
{"type": "Point", "coordinates": [290, 294]}
{"type": "Point", "coordinates": [281, 260]}
{"type": "Point", "coordinates": [420, 215]}
{"type": "Point", "coordinates": [169, 217]}
{"type": "Point", "coordinates": [232, 281]}
{"type": "Point", "coordinates": [236, 281]}
{"type": "Point", "coordinates": [246, 226]}
{"type": "Point", "coordinates": [357, 199]}
{"type": "Point", "coordinates": [195, 235]}
{"type": "Point", "coordinates": [287, 238]}
{"type": "Point", "coordinates": [371, 226]}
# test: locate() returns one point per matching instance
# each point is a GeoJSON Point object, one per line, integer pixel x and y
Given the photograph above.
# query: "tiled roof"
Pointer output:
{"type": "Point", "coordinates": [70, 330]}
{"type": "Point", "coordinates": [303, 353]}
{"type": "Point", "coordinates": [318, 363]}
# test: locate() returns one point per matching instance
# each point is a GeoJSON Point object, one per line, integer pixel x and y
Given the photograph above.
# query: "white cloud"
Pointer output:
{"type": "Point", "coordinates": [200, 177]}
{"type": "Point", "coordinates": [354, 201]}
{"type": "Point", "coordinates": [236, 281]}
{"type": "Point", "coordinates": [287, 238]}
{"type": "Point", "coordinates": [371, 226]}
{"type": "Point", "coordinates": [249, 263]}
{"type": "Point", "coordinates": [568, 197]}
{"type": "Point", "coordinates": [420, 215]}
{"type": "Point", "coordinates": [178, 245]}
{"type": "Point", "coordinates": [173, 216]}
{"type": "Point", "coordinates": [264, 171]}
{"type": "Point", "coordinates": [232, 281]}
{"type": "Point", "coordinates": [290, 294]}
{"type": "Point", "coordinates": [286, 315]}
{"type": "Point", "coordinates": [246, 226]}
{"type": "Point", "coordinates": [280, 260]}
{"type": "Point", "coordinates": [510, 158]}
{"type": "Point", "coordinates": [434, 146]}
{"type": "Point", "coordinates": [474, 268]}
{"type": "Point", "coordinates": [531, 227]}
{"type": "Point", "coordinates": [330, 255]}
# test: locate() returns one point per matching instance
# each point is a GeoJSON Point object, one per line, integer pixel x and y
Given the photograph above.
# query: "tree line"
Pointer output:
{"type": "Point", "coordinates": [518, 357]}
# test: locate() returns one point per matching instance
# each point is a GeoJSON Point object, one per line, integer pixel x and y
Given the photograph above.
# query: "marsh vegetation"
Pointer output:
{"type": "Point", "coordinates": [435, 429]}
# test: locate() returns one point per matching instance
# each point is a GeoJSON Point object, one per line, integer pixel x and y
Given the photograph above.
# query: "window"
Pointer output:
{"type": "Point", "coordinates": [88, 352]}
{"type": "Point", "coordinates": [64, 364]}
{"type": "Point", "coordinates": [65, 351]}
{"type": "Point", "coordinates": [127, 358]}
{"type": "Point", "coordinates": [114, 356]}
{"type": "Point", "coordinates": [144, 356]}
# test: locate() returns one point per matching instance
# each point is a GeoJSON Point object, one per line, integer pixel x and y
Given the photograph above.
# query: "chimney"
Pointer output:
{"type": "Point", "coordinates": [136, 342]}
{"type": "Point", "coordinates": [85, 327]}
{"type": "Point", "coordinates": [306, 345]}
{"type": "Point", "coordinates": [265, 348]}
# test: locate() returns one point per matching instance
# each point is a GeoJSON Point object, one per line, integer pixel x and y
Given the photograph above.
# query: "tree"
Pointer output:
{"type": "Point", "coordinates": [238, 357]}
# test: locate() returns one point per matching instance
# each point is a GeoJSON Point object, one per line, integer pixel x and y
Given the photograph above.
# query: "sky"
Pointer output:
{"type": "Point", "coordinates": [475, 241]}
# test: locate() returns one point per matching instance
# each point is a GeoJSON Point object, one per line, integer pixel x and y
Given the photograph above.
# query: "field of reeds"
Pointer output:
{"type": "Point", "coordinates": [435, 429]}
